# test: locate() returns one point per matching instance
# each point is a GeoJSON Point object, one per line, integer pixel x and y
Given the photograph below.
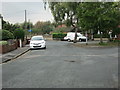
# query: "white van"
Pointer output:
{"type": "Point", "coordinates": [71, 35]}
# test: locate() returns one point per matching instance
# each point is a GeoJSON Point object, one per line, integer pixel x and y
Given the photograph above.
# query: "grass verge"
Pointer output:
{"type": "Point", "coordinates": [104, 44]}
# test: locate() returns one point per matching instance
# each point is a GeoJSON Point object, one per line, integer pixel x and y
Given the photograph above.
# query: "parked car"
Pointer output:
{"type": "Point", "coordinates": [71, 35]}
{"type": "Point", "coordinates": [37, 42]}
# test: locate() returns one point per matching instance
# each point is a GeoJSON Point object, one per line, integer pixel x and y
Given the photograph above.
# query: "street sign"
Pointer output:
{"type": "Point", "coordinates": [29, 30]}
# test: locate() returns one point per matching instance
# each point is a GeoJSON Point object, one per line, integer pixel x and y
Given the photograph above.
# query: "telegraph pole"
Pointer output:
{"type": "Point", "coordinates": [25, 19]}
{"type": "Point", "coordinates": [26, 22]}
{"type": "Point", "coordinates": [30, 28]}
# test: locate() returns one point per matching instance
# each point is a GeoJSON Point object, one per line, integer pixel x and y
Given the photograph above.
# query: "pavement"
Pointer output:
{"type": "Point", "coordinates": [14, 54]}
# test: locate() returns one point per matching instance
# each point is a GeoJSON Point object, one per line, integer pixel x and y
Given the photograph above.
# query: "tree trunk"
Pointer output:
{"type": "Point", "coordinates": [86, 38]}
{"type": "Point", "coordinates": [92, 38]}
{"type": "Point", "coordinates": [75, 39]}
{"type": "Point", "coordinates": [101, 40]}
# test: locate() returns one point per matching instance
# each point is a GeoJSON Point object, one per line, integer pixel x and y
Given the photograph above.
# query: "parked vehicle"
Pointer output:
{"type": "Point", "coordinates": [37, 42]}
{"type": "Point", "coordinates": [71, 35]}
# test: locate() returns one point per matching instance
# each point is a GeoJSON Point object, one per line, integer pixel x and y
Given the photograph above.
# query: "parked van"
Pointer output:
{"type": "Point", "coordinates": [71, 35]}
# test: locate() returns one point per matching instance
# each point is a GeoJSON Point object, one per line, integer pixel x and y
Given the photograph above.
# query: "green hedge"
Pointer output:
{"type": "Point", "coordinates": [3, 42]}
{"type": "Point", "coordinates": [104, 36]}
{"type": "Point", "coordinates": [116, 41]}
{"type": "Point", "coordinates": [58, 35]}
{"type": "Point", "coordinates": [5, 35]}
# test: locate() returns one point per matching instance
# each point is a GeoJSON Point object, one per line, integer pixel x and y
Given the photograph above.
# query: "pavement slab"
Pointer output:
{"type": "Point", "coordinates": [13, 54]}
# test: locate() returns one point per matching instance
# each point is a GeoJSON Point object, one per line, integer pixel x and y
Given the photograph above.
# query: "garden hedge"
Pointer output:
{"type": "Point", "coordinates": [59, 36]}
{"type": "Point", "coordinates": [104, 36]}
{"type": "Point", "coordinates": [5, 35]}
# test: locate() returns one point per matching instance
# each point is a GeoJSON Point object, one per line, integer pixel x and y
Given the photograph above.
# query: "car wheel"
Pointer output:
{"type": "Point", "coordinates": [80, 40]}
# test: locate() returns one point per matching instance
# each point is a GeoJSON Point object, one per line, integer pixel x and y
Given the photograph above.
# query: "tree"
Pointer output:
{"type": "Point", "coordinates": [43, 27]}
{"type": "Point", "coordinates": [65, 12]}
{"type": "Point", "coordinates": [19, 34]}
{"type": "Point", "coordinates": [102, 16]}
{"type": "Point", "coordinates": [27, 25]}
{"type": "Point", "coordinates": [10, 27]}
{"type": "Point", "coordinates": [6, 35]}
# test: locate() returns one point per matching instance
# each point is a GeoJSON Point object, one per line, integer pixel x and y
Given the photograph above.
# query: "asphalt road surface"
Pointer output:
{"type": "Point", "coordinates": [63, 65]}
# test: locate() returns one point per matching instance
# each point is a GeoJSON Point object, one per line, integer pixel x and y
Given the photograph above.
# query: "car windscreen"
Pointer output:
{"type": "Point", "coordinates": [37, 38]}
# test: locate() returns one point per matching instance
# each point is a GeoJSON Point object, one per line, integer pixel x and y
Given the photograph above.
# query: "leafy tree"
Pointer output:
{"type": "Point", "coordinates": [10, 27]}
{"type": "Point", "coordinates": [102, 16]}
{"type": "Point", "coordinates": [99, 16]}
{"type": "Point", "coordinates": [65, 12]}
{"type": "Point", "coordinates": [43, 27]}
{"type": "Point", "coordinates": [27, 25]}
{"type": "Point", "coordinates": [62, 29]}
{"type": "Point", "coordinates": [19, 34]}
{"type": "Point", "coordinates": [6, 35]}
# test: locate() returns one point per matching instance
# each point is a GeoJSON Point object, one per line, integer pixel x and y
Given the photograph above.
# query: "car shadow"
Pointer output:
{"type": "Point", "coordinates": [38, 49]}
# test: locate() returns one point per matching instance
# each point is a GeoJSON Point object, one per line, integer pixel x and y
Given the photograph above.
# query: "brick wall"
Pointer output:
{"type": "Point", "coordinates": [11, 46]}
{"type": "Point", "coordinates": [7, 48]}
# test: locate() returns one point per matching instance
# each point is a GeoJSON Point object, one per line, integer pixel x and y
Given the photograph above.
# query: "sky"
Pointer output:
{"type": "Point", "coordinates": [14, 12]}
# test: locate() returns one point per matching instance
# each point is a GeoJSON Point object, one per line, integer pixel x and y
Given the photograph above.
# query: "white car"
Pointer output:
{"type": "Point", "coordinates": [71, 35]}
{"type": "Point", "coordinates": [37, 42]}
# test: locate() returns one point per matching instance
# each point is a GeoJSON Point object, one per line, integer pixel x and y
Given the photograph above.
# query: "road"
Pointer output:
{"type": "Point", "coordinates": [63, 65]}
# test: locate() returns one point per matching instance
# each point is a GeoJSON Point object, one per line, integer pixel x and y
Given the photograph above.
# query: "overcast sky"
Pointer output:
{"type": "Point", "coordinates": [14, 12]}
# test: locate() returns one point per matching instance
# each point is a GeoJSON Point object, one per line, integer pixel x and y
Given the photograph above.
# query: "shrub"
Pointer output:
{"type": "Point", "coordinates": [3, 42]}
{"type": "Point", "coordinates": [5, 35]}
{"type": "Point", "coordinates": [118, 41]}
{"type": "Point", "coordinates": [19, 34]}
{"type": "Point", "coordinates": [58, 35]}
{"type": "Point", "coordinates": [104, 36]}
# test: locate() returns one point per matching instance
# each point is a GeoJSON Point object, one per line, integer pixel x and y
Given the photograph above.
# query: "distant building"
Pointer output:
{"type": "Point", "coordinates": [60, 26]}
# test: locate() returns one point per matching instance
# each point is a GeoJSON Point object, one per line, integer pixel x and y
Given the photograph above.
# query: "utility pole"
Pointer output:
{"type": "Point", "coordinates": [25, 17]}
{"type": "Point", "coordinates": [25, 22]}
{"type": "Point", "coordinates": [30, 28]}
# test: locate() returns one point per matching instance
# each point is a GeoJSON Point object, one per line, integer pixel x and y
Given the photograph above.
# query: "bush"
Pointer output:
{"type": "Point", "coordinates": [118, 41]}
{"type": "Point", "coordinates": [3, 42]}
{"type": "Point", "coordinates": [19, 34]}
{"type": "Point", "coordinates": [104, 36]}
{"type": "Point", "coordinates": [58, 35]}
{"type": "Point", "coordinates": [5, 35]}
